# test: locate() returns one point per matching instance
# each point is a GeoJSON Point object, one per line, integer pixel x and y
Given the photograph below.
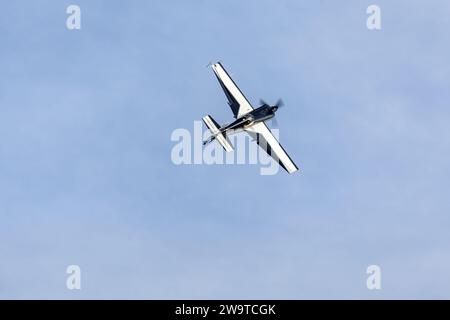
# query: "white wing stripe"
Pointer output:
{"type": "Point", "coordinates": [244, 105]}
{"type": "Point", "coordinates": [277, 151]}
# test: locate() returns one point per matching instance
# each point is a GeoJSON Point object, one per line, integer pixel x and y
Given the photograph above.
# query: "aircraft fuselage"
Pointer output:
{"type": "Point", "coordinates": [262, 113]}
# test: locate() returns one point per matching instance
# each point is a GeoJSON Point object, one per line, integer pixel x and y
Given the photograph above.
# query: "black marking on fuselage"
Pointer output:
{"type": "Point", "coordinates": [260, 114]}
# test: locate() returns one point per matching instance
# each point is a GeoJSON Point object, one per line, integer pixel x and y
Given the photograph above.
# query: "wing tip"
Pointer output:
{"type": "Point", "coordinates": [294, 171]}
{"type": "Point", "coordinates": [215, 65]}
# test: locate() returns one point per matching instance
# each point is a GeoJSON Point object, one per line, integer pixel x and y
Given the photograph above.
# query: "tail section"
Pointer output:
{"type": "Point", "coordinates": [214, 127]}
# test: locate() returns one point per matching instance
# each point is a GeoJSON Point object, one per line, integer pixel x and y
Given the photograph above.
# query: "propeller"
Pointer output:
{"type": "Point", "coordinates": [274, 121]}
{"type": "Point", "coordinates": [279, 103]}
{"type": "Point", "coordinates": [262, 102]}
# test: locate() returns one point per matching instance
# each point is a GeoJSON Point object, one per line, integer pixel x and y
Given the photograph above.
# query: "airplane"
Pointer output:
{"type": "Point", "coordinates": [248, 119]}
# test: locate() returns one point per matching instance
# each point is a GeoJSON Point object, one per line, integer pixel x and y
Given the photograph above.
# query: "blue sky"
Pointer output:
{"type": "Point", "coordinates": [86, 176]}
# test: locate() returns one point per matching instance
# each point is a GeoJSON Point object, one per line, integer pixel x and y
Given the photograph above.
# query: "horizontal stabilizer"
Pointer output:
{"type": "Point", "coordinates": [214, 127]}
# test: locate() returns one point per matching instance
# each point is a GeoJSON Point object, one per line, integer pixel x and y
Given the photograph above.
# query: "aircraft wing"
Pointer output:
{"type": "Point", "coordinates": [266, 140]}
{"type": "Point", "coordinates": [236, 100]}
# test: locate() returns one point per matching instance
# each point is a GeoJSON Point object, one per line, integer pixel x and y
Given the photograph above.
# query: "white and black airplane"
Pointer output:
{"type": "Point", "coordinates": [247, 119]}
